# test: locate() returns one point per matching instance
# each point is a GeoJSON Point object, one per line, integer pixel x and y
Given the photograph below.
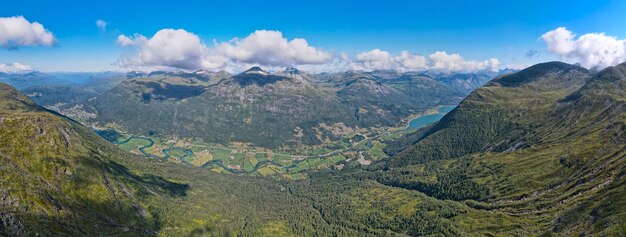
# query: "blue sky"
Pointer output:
{"type": "Point", "coordinates": [477, 30]}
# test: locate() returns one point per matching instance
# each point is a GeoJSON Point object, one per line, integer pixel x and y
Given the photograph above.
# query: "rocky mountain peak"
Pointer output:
{"type": "Point", "coordinates": [256, 70]}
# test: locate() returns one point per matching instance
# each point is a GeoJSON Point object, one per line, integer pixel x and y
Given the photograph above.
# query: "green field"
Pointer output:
{"type": "Point", "coordinates": [244, 161]}
{"type": "Point", "coordinates": [290, 163]}
{"type": "Point", "coordinates": [134, 144]}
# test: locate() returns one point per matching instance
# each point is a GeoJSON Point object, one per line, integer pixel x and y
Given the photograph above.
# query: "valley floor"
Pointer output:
{"type": "Point", "coordinates": [361, 147]}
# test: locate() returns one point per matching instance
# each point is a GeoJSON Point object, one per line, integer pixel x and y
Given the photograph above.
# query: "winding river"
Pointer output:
{"type": "Point", "coordinates": [165, 151]}
{"type": "Point", "coordinates": [415, 123]}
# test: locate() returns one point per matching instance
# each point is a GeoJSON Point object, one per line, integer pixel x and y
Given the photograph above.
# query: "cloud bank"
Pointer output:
{"type": "Point", "coordinates": [170, 48]}
{"type": "Point", "coordinates": [16, 32]}
{"type": "Point", "coordinates": [591, 50]}
{"type": "Point", "coordinates": [180, 49]}
{"type": "Point", "coordinates": [441, 61]}
{"type": "Point", "coordinates": [14, 67]}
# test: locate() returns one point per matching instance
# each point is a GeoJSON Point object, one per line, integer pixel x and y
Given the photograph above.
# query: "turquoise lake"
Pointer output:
{"type": "Point", "coordinates": [430, 118]}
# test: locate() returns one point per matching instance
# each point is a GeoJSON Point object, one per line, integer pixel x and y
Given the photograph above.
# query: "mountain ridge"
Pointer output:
{"type": "Point", "coordinates": [243, 107]}
{"type": "Point", "coordinates": [516, 146]}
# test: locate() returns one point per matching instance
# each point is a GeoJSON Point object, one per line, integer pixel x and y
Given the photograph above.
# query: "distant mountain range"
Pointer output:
{"type": "Point", "coordinates": [39, 79]}
{"type": "Point", "coordinates": [287, 108]}
{"type": "Point", "coordinates": [64, 89]}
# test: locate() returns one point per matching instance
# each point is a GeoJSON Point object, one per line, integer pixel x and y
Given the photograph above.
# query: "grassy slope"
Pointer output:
{"type": "Point", "coordinates": [545, 145]}
{"type": "Point", "coordinates": [58, 177]}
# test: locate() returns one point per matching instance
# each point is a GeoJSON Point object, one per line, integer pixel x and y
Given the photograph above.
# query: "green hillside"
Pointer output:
{"type": "Point", "coordinates": [545, 145]}
{"type": "Point", "coordinates": [58, 177]}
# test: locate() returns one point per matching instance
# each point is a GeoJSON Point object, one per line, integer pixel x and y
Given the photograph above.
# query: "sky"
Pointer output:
{"type": "Point", "coordinates": [450, 36]}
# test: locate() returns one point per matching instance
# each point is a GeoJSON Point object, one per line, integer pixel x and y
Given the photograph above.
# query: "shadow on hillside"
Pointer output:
{"type": "Point", "coordinates": [87, 219]}
{"type": "Point", "coordinates": [210, 230]}
{"type": "Point", "coordinates": [145, 183]}
{"type": "Point", "coordinates": [150, 181]}
{"type": "Point", "coordinates": [260, 80]}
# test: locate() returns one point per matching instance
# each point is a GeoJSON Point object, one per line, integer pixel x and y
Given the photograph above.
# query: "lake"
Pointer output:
{"type": "Point", "coordinates": [422, 121]}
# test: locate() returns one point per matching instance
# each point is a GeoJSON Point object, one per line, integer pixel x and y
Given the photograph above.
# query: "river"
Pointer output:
{"type": "Point", "coordinates": [416, 123]}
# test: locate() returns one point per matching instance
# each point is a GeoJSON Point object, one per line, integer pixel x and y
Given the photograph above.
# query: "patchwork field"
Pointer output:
{"type": "Point", "coordinates": [361, 148]}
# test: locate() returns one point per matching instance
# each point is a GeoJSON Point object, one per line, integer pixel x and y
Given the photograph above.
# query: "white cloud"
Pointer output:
{"type": "Point", "coordinates": [134, 40]}
{"type": "Point", "coordinates": [170, 48]}
{"type": "Point", "coordinates": [271, 48]}
{"type": "Point", "coordinates": [442, 61]}
{"type": "Point", "coordinates": [438, 61]}
{"type": "Point", "coordinates": [376, 59]}
{"type": "Point", "coordinates": [16, 32]}
{"type": "Point", "coordinates": [101, 24]}
{"type": "Point", "coordinates": [14, 67]}
{"type": "Point", "coordinates": [340, 63]}
{"type": "Point", "coordinates": [592, 50]}
{"type": "Point", "coordinates": [411, 61]}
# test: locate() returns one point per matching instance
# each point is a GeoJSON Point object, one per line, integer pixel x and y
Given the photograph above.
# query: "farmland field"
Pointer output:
{"type": "Point", "coordinates": [362, 147]}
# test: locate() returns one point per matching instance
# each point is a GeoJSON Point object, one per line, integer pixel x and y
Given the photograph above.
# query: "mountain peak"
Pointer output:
{"type": "Point", "coordinates": [538, 72]}
{"type": "Point", "coordinates": [608, 83]}
{"type": "Point", "coordinates": [255, 70]}
{"type": "Point", "coordinates": [256, 75]}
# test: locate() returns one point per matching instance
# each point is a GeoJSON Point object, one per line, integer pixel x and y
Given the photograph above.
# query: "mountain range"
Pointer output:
{"type": "Point", "coordinates": [284, 109]}
{"type": "Point", "coordinates": [538, 152]}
